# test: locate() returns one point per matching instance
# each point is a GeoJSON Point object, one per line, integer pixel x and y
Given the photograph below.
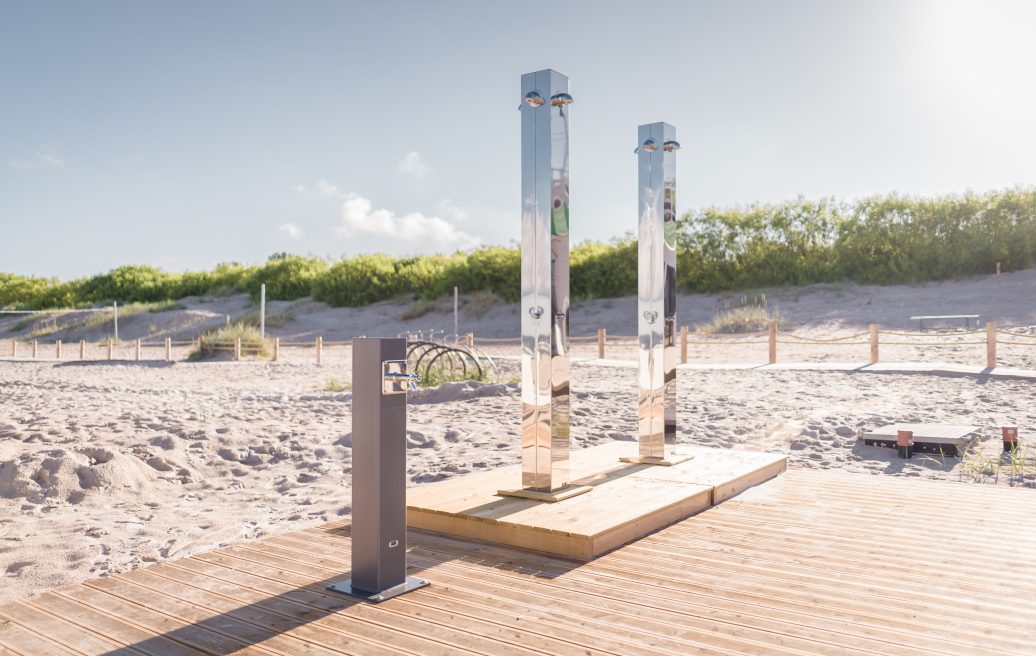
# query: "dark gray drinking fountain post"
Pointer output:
{"type": "Point", "coordinates": [380, 384]}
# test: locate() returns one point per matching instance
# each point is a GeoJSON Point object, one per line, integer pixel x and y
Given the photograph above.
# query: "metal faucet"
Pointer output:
{"type": "Point", "coordinates": [395, 379]}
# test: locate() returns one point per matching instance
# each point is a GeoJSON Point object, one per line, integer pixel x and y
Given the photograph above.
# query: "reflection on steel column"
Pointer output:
{"type": "Point", "coordinates": [545, 111]}
{"type": "Point", "coordinates": [656, 290]}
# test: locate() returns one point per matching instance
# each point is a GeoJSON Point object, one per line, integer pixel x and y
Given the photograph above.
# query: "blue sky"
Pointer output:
{"type": "Point", "coordinates": [183, 134]}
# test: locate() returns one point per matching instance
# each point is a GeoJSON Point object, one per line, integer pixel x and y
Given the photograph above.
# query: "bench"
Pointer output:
{"type": "Point", "coordinates": [943, 317]}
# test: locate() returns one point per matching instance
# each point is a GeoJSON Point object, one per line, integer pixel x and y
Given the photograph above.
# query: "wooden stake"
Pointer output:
{"type": "Point", "coordinates": [237, 348]}
{"type": "Point", "coordinates": [35, 347]}
{"type": "Point", "coordinates": [82, 349]}
{"type": "Point", "coordinates": [276, 348]}
{"type": "Point", "coordinates": [110, 343]}
{"type": "Point", "coordinates": [14, 348]}
{"type": "Point", "coordinates": [58, 349]}
{"type": "Point", "coordinates": [470, 340]}
{"type": "Point", "coordinates": [990, 344]}
{"type": "Point", "coordinates": [137, 355]}
{"type": "Point", "coordinates": [683, 344]}
{"type": "Point", "coordinates": [874, 343]}
{"type": "Point", "coordinates": [168, 349]}
{"type": "Point", "coordinates": [320, 348]}
{"type": "Point", "coordinates": [601, 336]}
{"type": "Point", "coordinates": [773, 342]}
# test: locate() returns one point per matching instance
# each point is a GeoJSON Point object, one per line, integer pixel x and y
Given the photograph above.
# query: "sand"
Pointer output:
{"type": "Point", "coordinates": [108, 466]}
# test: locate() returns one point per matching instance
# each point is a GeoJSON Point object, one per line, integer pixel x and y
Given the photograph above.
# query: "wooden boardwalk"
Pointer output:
{"type": "Point", "coordinates": [812, 562]}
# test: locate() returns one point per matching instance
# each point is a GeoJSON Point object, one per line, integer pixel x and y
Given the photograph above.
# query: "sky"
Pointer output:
{"type": "Point", "coordinates": [185, 134]}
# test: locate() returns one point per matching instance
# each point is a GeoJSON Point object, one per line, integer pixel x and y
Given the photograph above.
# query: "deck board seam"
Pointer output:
{"type": "Point", "coordinates": [189, 623]}
{"type": "Point", "coordinates": [405, 615]}
{"type": "Point", "coordinates": [709, 618]}
{"type": "Point", "coordinates": [329, 629]}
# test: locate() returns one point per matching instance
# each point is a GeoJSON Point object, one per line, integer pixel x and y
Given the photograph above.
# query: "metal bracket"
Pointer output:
{"type": "Point", "coordinates": [346, 587]}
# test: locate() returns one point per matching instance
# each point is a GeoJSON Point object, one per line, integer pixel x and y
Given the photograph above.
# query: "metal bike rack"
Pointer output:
{"type": "Point", "coordinates": [380, 385]}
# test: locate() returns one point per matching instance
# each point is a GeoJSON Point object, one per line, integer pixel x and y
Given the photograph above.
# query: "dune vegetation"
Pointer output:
{"type": "Point", "coordinates": [884, 239]}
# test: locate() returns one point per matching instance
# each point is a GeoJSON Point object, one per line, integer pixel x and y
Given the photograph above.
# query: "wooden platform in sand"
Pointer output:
{"type": "Point", "coordinates": [625, 501]}
{"type": "Point", "coordinates": [812, 562]}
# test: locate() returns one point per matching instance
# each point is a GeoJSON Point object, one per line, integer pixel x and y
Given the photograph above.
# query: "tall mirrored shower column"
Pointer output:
{"type": "Point", "coordinates": [656, 290]}
{"type": "Point", "coordinates": [545, 107]}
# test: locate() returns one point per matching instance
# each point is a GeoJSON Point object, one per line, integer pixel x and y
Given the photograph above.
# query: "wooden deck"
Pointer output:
{"type": "Point", "coordinates": [812, 562]}
{"type": "Point", "coordinates": [586, 526]}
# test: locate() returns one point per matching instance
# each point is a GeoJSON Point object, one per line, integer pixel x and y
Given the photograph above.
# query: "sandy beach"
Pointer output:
{"type": "Point", "coordinates": [109, 466]}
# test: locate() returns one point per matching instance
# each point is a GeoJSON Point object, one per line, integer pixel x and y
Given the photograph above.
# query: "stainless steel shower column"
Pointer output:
{"type": "Point", "coordinates": [380, 384]}
{"type": "Point", "coordinates": [545, 108]}
{"type": "Point", "coordinates": [656, 291]}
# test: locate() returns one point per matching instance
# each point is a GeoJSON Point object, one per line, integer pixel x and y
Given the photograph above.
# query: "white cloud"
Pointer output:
{"type": "Point", "coordinates": [323, 189]}
{"type": "Point", "coordinates": [451, 212]}
{"type": "Point", "coordinates": [289, 231]}
{"type": "Point", "coordinates": [359, 217]}
{"type": "Point", "coordinates": [412, 164]}
{"type": "Point", "coordinates": [41, 161]}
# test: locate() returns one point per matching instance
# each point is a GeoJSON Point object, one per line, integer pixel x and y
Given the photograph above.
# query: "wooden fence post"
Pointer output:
{"type": "Point", "coordinates": [57, 349]}
{"type": "Point", "coordinates": [237, 348]}
{"type": "Point", "coordinates": [601, 337]}
{"type": "Point", "coordinates": [990, 344]}
{"type": "Point", "coordinates": [110, 348]}
{"type": "Point", "coordinates": [14, 348]}
{"type": "Point", "coordinates": [320, 348]}
{"type": "Point", "coordinates": [35, 347]}
{"type": "Point", "coordinates": [168, 349]}
{"type": "Point", "coordinates": [683, 344]}
{"type": "Point", "coordinates": [773, 342]}
{"type": "Point", "coordinates": [137, 354]}
{"type": "Point", "coordinates": [82, 349]}
{"type": "Point", "coordinates": [276, 348]}
{"type": "Point", "coordinates": [469, 339]}
{"type": "Point", "coordinates": [874, 343]}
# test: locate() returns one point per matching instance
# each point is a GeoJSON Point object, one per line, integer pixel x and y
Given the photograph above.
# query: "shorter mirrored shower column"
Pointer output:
{"type": "Point", "coordinates": [656, 292]}
{"type": "Point", "coordinates": [545, 108]}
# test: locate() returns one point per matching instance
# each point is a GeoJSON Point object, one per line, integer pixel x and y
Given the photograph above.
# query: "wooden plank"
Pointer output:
{"type": "Point", "coordinates": [66, 635]}
{"type": "Point", "coordinates": [772, 597]}
{"type": "Point", "coordinates": [483, 636]}
{"type": "Point", "coordinates": [250, 585]}
{"type": "Point", "coordinates": [282, 615]}
{"type": "Point", "coordinates": [884, 611]}
{"type": "Point", "coordinates": [632, 636]}
{"type": "Point", "coordinates": [551, 646]}
{"type": "Point", "coordinates": [619, 606]}
{"type": "Point", "coordinates": [251, 626]}
{"type": "Point", "coordinates": [18, 641]}
{"type": "Point", "coordinates": [97, 622]}
{"type": "Point", "coordinates": [188, 633]}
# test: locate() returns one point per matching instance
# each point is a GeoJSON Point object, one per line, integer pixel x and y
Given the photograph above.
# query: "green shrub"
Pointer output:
{"type": "Point", "coordinates": [358, 281]}
{"type": "Point", "coordinates": [883, 239]}
{"type": "Point", "coordinates": [417, 309]}
{"type": "Point", "coordinates": [287, 277]}
{"type": "Point", "coordinates": [222, 340]}
{"type": "Point", "coordinates": [746, 315]}
{"type": "Point", "coordinates": [334, 385]}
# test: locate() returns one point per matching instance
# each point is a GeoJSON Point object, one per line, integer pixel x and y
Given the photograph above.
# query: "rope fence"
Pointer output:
{"type": "Point", "coordinates": [138, 349]}
{"type": "Point", "coordinates": [775, 337]}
